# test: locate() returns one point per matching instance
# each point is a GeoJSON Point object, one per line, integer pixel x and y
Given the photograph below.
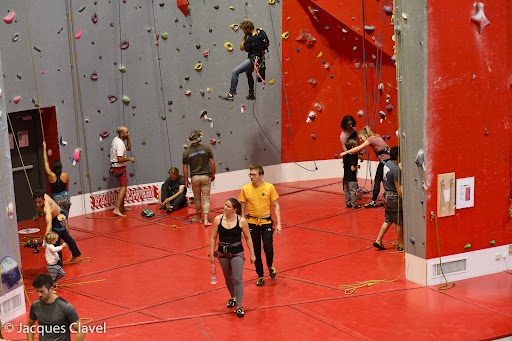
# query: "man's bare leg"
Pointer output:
{"type": "Point", "coordinates": [205, 221]}
{"type": "Point", "coordinates": [400, 235]}
{"type": "Point", "coordinates": [120, 202]}
{"type": "Point", "coordinates": [383, 229]}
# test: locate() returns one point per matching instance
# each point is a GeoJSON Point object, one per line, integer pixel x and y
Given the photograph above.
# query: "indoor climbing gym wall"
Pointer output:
{"type": "Point", "coordinates": [458, 177]}
{"type": "Point", "coordinates": [328, 73]}
{"type": "Point", "coordinates": [157, 67]}
{"type": "Point", "coordinates": [11, 288]}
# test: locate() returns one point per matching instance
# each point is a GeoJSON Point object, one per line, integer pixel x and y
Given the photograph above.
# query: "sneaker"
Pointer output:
{"type": "Point", "coordinates": [260, 282]}
{"type": "Point", "coordinates": [227, 97]}
{"type": "Point", "coordinates": [239, 312]}
{"type": "Point", "coordinates": [356, 207]}
{"type": "Point", "coordinates": [250, 96]}
{"type": "Point", "coordinates": [370, 204]}
{"type": "Point", "coordinates": [272, 271]}
{"type": "Point", "coordinates": [231, 303]}
{"type": "Point", "coordinates": [400, 249]}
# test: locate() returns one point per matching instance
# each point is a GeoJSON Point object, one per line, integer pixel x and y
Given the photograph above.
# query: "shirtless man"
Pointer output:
{"type": "Point", "coordinates": [56, 221]}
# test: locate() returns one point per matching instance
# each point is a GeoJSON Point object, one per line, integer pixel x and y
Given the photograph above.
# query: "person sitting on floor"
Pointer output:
{"type": "Point", "coordinates": [172, 196]}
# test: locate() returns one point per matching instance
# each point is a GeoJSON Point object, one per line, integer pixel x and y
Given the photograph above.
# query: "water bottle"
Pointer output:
{"type": "Point", "coordinates": [213, 274]}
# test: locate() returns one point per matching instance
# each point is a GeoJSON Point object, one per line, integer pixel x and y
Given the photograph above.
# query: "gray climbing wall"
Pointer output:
{"type": "Point", "coordinates": [413, 58]}
{"type": "Point", "coordinates": [159, 114]}
{"type": "Point", "coordinates": [9, 248]}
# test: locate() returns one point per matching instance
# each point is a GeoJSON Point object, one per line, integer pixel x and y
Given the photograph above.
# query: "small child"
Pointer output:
{"type": "Point", "coordinates": [52, 255]}
{"type": "Point", "coordinates": [350, 176]}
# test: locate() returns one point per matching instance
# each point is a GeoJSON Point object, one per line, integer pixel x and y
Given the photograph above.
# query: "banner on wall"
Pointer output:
{"type": "Point", "coordinates": [107, 199]}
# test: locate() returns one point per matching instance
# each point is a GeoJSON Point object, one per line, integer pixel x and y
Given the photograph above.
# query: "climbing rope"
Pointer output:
{"type": "Point", "coordinates": [446, 285]}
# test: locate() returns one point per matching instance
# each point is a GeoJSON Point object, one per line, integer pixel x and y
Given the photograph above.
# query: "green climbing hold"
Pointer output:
{"type": "Point", "coordinates": [145, 82]}
{"type": "Point", "coordinates": [99, 187]}
{"type": "Point", "coordinates": [164, 35]}
{"type": "Point", "coordinates": [133, 114]}
{"type": "Point", "coordinates": [177, 49]}
{"type": "Point", "coordinates": [163, 118]}
{"type": "Point", "coordinates": [143, 143]}
{"type": "Point", "coordinates": [149, 29]}
{"type": "Point", "coordinates": [467, 246]}
{"type": "Point", "coordinates": [492, 242]}
{"type": "Point", "coordinates": [122, 68]}
{"type": "Point", "coordinates": [181, 86]}
{"type": "Point", "coordinates": [126, 99]}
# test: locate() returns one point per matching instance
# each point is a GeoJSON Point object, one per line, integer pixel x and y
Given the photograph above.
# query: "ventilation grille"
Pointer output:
{"type": "Point", "coordinates": [450, 267]}
{"type": "Point", "coordinates": [10, 305]}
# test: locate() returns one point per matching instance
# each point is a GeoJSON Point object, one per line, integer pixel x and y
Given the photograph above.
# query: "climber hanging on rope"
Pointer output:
{"type": "Point", "coordinates": [255, 42]}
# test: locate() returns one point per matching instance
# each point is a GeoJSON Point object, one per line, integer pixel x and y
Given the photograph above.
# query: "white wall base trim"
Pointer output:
{"type": "Point", "coordinates": [478, 263]}
{"type": "Point", "coordinates": [18, 311]}
{"type": "Point", "coordinates": [224, 182]}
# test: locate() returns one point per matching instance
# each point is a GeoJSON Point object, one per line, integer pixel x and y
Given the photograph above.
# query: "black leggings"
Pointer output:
{"type": "Point", "coordinates": [378, 179]}
{"type": "Point", "coordinates": [265, 233]}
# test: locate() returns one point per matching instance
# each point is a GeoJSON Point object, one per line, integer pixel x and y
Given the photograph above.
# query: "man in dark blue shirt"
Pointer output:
{"type": "Point", "coordinates": [172, 196]}
{"type": "Point", "coordinates": [255, 43]}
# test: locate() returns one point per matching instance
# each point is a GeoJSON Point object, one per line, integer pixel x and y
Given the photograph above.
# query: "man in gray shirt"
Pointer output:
{"type": "Point", "coordinates": [392, 182]}
{"type": "Point", "coordinates": [55, 315]}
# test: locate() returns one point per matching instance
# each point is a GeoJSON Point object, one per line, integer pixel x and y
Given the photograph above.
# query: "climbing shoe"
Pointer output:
{"type": "Point", "coordinates": [379, 246]}
{"type": "Point", "coordinates": [370, 204]}
{"type": "Point", "coordinates": [227, 97]}
{"type": "Point", "coordinates": [272, 272]}
{"type": "Point", "coordinates": [260, 282]}
{"type": "Point", "coordinates": [356, 207]}
{"type": "Point", "coordinates": [251, 96]}
{"type": "Point", "coordinates": [400, 249]}
{"type": "Point", "coordinates": [240, 312]}
{"type": "Point", "coordinates": [231, 303]}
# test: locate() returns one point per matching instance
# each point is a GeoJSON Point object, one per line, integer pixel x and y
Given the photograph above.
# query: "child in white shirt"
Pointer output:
{"type": "Point", "coordinates": [52, 255]}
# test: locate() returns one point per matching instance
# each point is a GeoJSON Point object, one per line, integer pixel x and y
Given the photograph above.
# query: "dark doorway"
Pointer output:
{"type": "Point", "coordinates": [27, 131]}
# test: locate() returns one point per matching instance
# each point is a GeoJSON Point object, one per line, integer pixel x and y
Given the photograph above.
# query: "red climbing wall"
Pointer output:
{"type": "Point", "coordinates": [469, 120]}
{"type": "Point", "coordinates": [344, 93]}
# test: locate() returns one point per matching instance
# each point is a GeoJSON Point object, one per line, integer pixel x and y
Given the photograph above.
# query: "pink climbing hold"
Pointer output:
{"type": "Point", "coordinates": [50, 152]}
{"type": "Point", "coordinates": [94, 76]}
{"type": "Point", "coordinates": [78, 34]}
{"type": "Point", "coordinates": [10, 17]}
{"type": "Point", "coordinates": [16, 99]}
{"type": "Point", "coordinates": [104, 134]}
{"type": "Point", "coordinates": [389, 107]}
{"type": "Point", "coordinates": [134, 106]}
{"type": "Point", "coordinates": [112, 99]}
{"type": "Point", "coordinates": [479, 18]}
{"type": "Point", "coordinates": [76, 154]}
{"type": "Point", "coordinates": [388, 10]}
{"type": "Point", "coordinates": [124, 45]}
{"type": "Point", "coordinates": [318, 107]}
{"type": "Point", "coordinates": [94, 18]}
{"type": "Point", "coordinates": [312, 81]}
{"type": "Point", "coordinates": [132, 175]}
{"type": "Point", "coordinates": [205, 53]}
{"type": "Point", "coordinates": [42, 72]}
{"type": "Point", "coordinates": [369, 29]}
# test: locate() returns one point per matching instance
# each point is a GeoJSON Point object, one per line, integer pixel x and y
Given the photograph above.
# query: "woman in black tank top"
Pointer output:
{"type": "Point", "coordinates": [59, 182]}
{"type": "Point", "coordinates": [229, 227]}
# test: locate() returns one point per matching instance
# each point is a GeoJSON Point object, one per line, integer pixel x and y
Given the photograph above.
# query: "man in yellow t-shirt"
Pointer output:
{"type": "Point", "coordinates": [257, 198]}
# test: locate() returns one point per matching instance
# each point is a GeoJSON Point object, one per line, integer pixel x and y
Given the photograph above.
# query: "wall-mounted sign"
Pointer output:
{"type": "Point", "coordinates": [23, 139]}
{"type": "Point", "coordinates": [465, 192]}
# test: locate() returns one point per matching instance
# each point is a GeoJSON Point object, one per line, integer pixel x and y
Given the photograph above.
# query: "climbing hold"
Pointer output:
{"type": "Point", "coordinates": [331, 76]}
{"type": "Point", "coordinates": [198, 67]}
{"type": "Point", "coordinates": [10, 17]}
{"type": "Point", "coordinates": [312, 115]}
{"type": "Point", "coordinates": [125, 99]}
{"type": "Point", "coordinates": [486, 132]}
{"type": "Point", "coordinates": [205, 53]}
{"type": "Point", "coordinates": [105, 178]}
{"type": "Point", "coordinates": [76, 155]}
{"type": "Point", "coordinates": [413, 240]}
{"type": "Point", "coordinates": [143, 143]}
{"type": "Point", "coordinates": [357, 65]}
{"type": "Point", "coordinates": [79, 191]}
{"type": "Point", "coordinates": [380, 87]}
{"type": "Point", "coordinates": [232, 8]}
{"type": "Point", "coordinates": [201, 92]}
{"type": "Point", "coordinates": [16, 99]}
{"type": "Point", "coordinates": [163, 118]}
{"type": "Point", "coordinates": [312, 81]}
{"type": "Point", "coordinates": [42, 72]}
{"type": "Point", "coordinates": [208, 90]}
{"type": "Point", "coordinates": [188, 93]}
{"type": "Point", "coordinates": [228, 46]}
{"type": "Point", "coordinates": [393, 58]}
{"type": "Point", "coordinates": [492, 242]}
{"type": "Point", "coordinates": [318, 107]}
{"type": "Point", "coordinates": [94, 18]}
{"type": "Point", "coordinates": [320, 55]}
{"type": "Point", "coordinates": [388, 10]}
{"type": "Point", "coordinates": [78, 34]}
{"type": "Point", "coordinates": [187, 78]}
{"type": "Point", "coordinates": [389, 107]}
{"type": "Point", "coordinates": [1, 93]}
{"type": "Point", "coordinates": [149, 29]}
{"type": "Point", "coordinates": [213, 141]}
{"type": "Point", "coordinates": [467, 246]}
{"type": "Point", "coordinates": [327, 66]}
{"type": "Point", "coordinates": [134, 106]}
{"type": "Point", "coordinates": [198, 46]}
{"type": "Point", "coordinates": [15, 37]}
{"type": "Point", "coordinates": [382, 115]}
{"type": "Point", "coordinates": [369, 29]}
{"type": "Point", "coordinates": [185, 146]}
{"type": "Point", "coordinates": [285, 35]}
{"type": "Point", "coordinates": [216, 6]}
{"type": "Point", "coordinates": [124, 45]}
{"type": "Point", "coordinates": [164, 35]}
{"type": "Point", "coordinates": [479, 18]}
{"type": "Point", "coordinates": [161, 4]}
{"type": "Point", "coordinates": [272, 81]}
{"type": "Point", "coordinates": [122, 68]}
{"type": "Point", "coordinates": [354, 48]}
{"type": "Point", "coordinates": [370, 65]}
{"type": "Point", "coordinates": [288, 18]}
{"type": "Point", "coordinates": [112, 99]}
{"type": "Point", "coordinates": [271, 2]}
{"type": "Point", "coordinates": [234, 27]}
{"type": "Point", "coordinates": [103, 135]}
{"type": "Point", "coordinates": [473, 77]}
{"type": "Point", "coordinates": [81, 9]}
{"type": "Point", "coordinates": [360, 113]}
{"type": "Point", "coordinates": [313, 136]}
{"type": "Point", "coordinates": [306, 38]}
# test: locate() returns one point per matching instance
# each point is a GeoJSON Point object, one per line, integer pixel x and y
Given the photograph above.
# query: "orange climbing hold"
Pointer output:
{"type": "Point", "coordinates": [183, 6]}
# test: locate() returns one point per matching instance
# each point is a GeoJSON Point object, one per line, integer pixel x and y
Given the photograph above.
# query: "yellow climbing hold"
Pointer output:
{"type": "Point", "coordinates": [287, 59]}
{"type": "Point", "coordinates": [320, 55]}
{"type": "Point", "coordinates": [220, 162]}
{"type": "Point", "coordinates": [271, 2]}
{"type": "Point", "coordinates": [232, 7]}
{"type": "Point", "coordinates": [231, 107]}
{"type": "Point", "coordinates": [228, 46]}
{"type": "Point", "coordinates": [271, 81]}
{"type": "Point", "coordinates": [208, 89]}
{"type": "Point", "coordinates": [288, 18]}
{"type": "Point", "coordinates": [234, 27]}
{"type": "Point", "coordinates": [198, 67]}
{"type": "Point", "coordinates": [286, 73]}
{"type": "Point", "coordinates": [286, 35]}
